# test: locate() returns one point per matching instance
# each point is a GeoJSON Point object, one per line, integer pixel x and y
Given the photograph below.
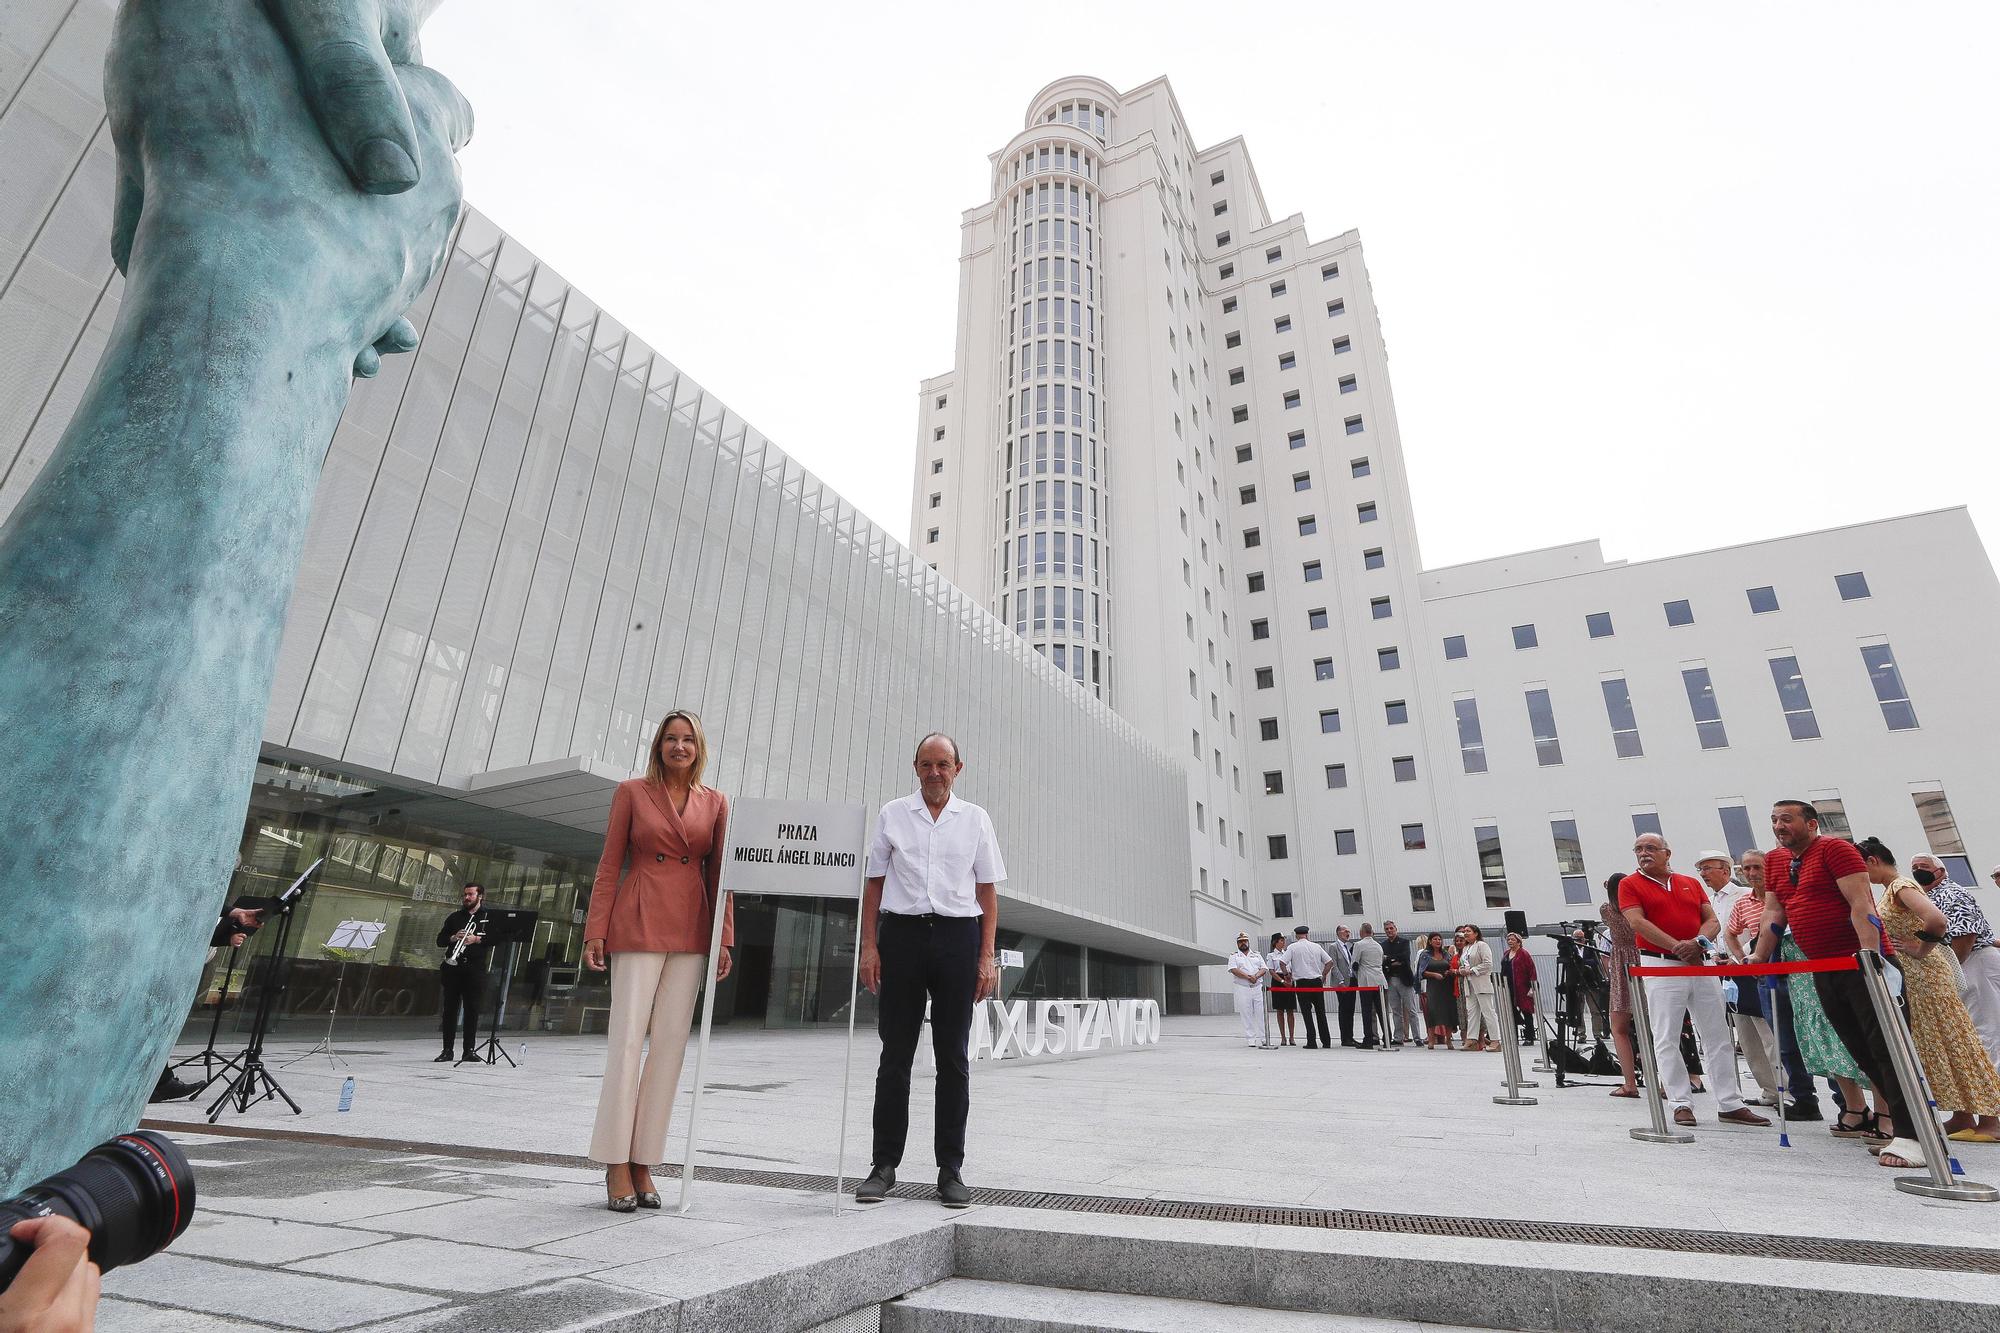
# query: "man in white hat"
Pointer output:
{"type": "Point", "coordinates": [1753, 1034]}
{"type": "Point", "coordinates": [1246, 974]}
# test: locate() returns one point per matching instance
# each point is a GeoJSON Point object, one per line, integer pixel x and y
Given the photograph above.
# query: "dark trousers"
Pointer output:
{"type": "Point", "coordinates": [1345, 1001]}
{"type": "Point", "coordinates": [462, 991]}
{"type": "Point", "coordinates": [1372, 1032]}
{"type": "Point", "coordinates": [1312, 1009]}
{"type": "Point", "coordinates": [934, 958]}
{"type": "Point", "coordinates": [1777, 1000]}
{"type": "Point", "coordinates": [1844, 996]}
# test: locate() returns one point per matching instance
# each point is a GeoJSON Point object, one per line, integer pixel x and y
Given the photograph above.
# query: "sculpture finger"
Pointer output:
{"type": "Point", "coordinates": [127, 204]}
{"type": "Point", "coordinates": [369, 364]}
{"type": "Point", "coordinates": [401, 337]}
{"type": "Point", "coordinates": [353, 89]}
{"type": "Point", "coordinates": [432, 95]}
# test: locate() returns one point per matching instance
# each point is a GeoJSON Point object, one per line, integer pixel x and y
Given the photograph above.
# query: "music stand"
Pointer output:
{"type": "Point", "coordinates": [350, 940]}
{"type": "Point", "coordinates": [253, 1082]}
{"type": "Point", "coordinates": [513, 927]}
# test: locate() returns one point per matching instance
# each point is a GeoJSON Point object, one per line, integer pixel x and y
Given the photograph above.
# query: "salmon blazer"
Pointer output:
{"type": "Point", "coordinates": [660, 873]}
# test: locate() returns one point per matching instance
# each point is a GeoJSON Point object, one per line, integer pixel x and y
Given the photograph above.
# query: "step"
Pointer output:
{"type": "Point", "coordinates": [971, 1305]}
{"type": "Point", "coordinates": [1462, 1281]}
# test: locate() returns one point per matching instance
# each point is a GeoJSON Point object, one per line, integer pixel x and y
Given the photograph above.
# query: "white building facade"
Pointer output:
{"type": "Point", "coordinates": [1167, 456]}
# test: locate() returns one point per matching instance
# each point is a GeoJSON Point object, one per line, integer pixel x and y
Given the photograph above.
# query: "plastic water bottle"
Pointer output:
{"type": "Point", "coordinates": [521, 1054]}
{"type": "Point", "coordinates": [347, 1094]}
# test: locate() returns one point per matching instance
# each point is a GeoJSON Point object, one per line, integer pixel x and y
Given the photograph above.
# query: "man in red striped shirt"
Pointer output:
{"type": "Point", "coordinates": [1819, 887]}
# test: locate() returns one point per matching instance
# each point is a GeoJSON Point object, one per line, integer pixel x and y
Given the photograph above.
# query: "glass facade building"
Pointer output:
{"type": "Point", "coordinates": [532, 538]}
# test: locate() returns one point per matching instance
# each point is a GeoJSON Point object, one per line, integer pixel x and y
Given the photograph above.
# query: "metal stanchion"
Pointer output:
{"type": "Point", "coordinates": [1510, 1060]}
{"type": "Point", "coordinates": [1642, 1037]}
{"type": "Point", "coordinates": [1265, 982]}
{"type": "Point", "coordinates": [1940, 1183]}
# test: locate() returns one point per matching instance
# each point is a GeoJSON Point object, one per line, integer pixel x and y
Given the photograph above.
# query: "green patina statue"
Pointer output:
{"type": "Point", "coordinates": [286, 187]}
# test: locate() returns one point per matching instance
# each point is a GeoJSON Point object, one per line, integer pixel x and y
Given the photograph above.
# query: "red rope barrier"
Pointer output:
{"type": "Point", "coordinates": [1752, 969]}
{"type": "Point", "coordinates": [1294, 990]}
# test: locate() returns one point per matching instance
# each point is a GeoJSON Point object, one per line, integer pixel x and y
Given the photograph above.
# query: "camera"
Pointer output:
{"type": "Point", "coordinates": [134, 1194]}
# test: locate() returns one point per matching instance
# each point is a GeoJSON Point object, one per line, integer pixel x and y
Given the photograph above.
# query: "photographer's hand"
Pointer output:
{"type": "Point", "coordinates": [56, 1290]}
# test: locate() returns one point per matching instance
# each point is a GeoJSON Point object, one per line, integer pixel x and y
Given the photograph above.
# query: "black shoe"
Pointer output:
{"type": "Point", "coordinates": [172, 1087]}
{"type": "Point", "coordinates": [470, 1057]}
{"type": "Point", "coordinates": [443, 1059]}
{"type": "Point", "coordinates": [881, 1179]}
{"type": "Point", "coordinates": [952, 1192]}
{"type": "Point", "coordinates": [1803, 1111]}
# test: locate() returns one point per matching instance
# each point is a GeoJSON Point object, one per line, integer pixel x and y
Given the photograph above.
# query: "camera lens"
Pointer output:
{"type": "Point", "coordinates": [134, 1194]}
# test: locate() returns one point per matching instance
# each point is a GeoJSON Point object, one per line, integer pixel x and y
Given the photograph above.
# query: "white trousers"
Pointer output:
{"type": "Point", "coordinates": [1488, 1020]}
{"type": "Point", "coordinates": [1982, 996]}
{"type": "Point", "coordinates": [1668, 999]}
{"type": "Point", "coordinates": [652, 996]}
{"type": "Point", "coordinates": [1250, 1008]}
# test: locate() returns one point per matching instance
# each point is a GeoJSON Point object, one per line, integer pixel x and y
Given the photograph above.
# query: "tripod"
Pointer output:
{"type": "Point", "coordinates": [208, 1055]}
{"type": "Point", "coordinates": [324, 1046]}
{"type": "Point", "coordinates": [253, 1082]}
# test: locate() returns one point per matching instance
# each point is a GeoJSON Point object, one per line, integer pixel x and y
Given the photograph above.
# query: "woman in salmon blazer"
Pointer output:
{"type": "Point", "coordinates": [650, 922]}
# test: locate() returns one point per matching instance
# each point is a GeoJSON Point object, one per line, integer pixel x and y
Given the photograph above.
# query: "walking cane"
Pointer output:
{"type": "Point", "coordinates": [1770, 997]}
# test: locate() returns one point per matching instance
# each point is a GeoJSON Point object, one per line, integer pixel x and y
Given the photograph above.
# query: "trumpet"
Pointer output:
{"type": "Point", "coordinates": [474, 925]}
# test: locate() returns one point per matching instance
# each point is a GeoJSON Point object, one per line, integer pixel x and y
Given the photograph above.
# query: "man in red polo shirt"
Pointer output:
{"type": "Point", "coordinates": [1675, 924]}
{"type": "Point", "coordinates": [1819, 888]}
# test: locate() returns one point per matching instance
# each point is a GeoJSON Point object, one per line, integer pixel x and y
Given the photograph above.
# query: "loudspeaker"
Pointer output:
{"type": "Point", "coordinates": [1517, 921]}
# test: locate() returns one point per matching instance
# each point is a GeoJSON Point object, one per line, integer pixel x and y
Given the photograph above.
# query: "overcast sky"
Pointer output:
{"type": "Point", "coordinates": [1676, 275]}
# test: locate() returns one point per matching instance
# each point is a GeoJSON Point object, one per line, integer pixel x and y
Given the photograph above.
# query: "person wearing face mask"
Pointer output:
{"type": "Point", "coordinates": [1971, 941]}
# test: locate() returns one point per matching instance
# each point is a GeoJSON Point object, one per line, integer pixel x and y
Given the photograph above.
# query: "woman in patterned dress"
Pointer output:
{"type": "Point", "coordinates": [1624, 957]}
{"type": "Point", "coordinates": [1962, 1078]}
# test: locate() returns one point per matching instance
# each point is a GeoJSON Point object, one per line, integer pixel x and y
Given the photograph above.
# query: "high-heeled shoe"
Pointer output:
{"type": "Point", "coordinates": [620, 1203]}
{"type": "Point", "coordinates": [647, 1198]}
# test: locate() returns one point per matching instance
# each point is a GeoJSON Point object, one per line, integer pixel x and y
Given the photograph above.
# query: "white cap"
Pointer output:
{"type": "Point", "coordinates": [1723, 857]}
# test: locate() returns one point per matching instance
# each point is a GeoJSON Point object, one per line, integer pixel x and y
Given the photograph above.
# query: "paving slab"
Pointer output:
{"type": "Point", "coordinates": [270, 1296]}
{"type": "Point", "coordinates": [445, 1266]}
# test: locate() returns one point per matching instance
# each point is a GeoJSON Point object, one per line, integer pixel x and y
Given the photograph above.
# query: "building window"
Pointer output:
{"type": "Point", "coordinates": [1274, 782]}
{"type": "Point", "coordinates": [1941, 832]}
{"type": "Point", "coordinates": [1350, 902]}
{"type": "Point", "coordinates": [1454, 647]}
{"type": "Point", "coordinates": [1707, 712]}
{"type": "Point", "coordinates": [1328, 272]}
{"type": "Point", "coordinates": [1853, 587]}
{"type": "Point", "coordinates": [1266, 678]}
{"type": "Point", "coordinates": [1569, 861]}
{"type": "Point", "coordinates": [1762, 599]}
{"type": "Point", "coordinates": [1404, 768]}
{"type": "Point", "coordinates": [1396, 712]}
{"type": "Point", "coordinates": [1644, 822]}
{"type": "Point", "coordinates": [1215, 178]}
{"type": "Point", "coordinates": [1372, 558]}
{"type": "Point", "coordinates": [1281, 906]}
{"type": "Point", "coordinates": [1322, 668]}
{"type": "Point", "coordinates": [1492, 868]}
{"type": "Point", "coordinates": [1737, 834]}
{"type": "Point", "coordinates": [937, 499]}
{"type": "Point", "coordinates": [1291, 399]}
{"type": "Point", "coordinates": [1388, 659]}
{"type": "Point", "coordinates": [1524, 636]}
{"type": "Point", "coordinates": [1283, 323]}
{"type": "Point", "coordinates": [1599, 624]}
{"type": "Point", "coordinates": [1275, 846]}
{"type": "Point", "coordinates": [1792, 697]}
{"type": "Point", "coordinates": [1348, 384]}
{"type": "Point", "coordinates": [1342, 345]}
{"type": "Point", "coordinates": [1239, 414]}
{"type": "Point", "coordinates": [1296, 439]}
{"type": "Point", "coordinates": [937, 466]}
{"type": "Point", "coordinates": [1365, 512]}
{"type": "Point", "coordinates": [1343, 842]}
{"type": "Point", "coordinates": [1260, 629]}
{"type": "Point", "coordinates": [1353, 425]}
{"type": "Point", "coordinates": [1231, 339]}
{"type": "Point", "coordinates": [1312, 571]}
{"type": "Point", "coordinates": [1267, 728]}
{"type": "Point", "coordinates": [1246, 495]}
{"type": "Point", "coordinates": [1335, 309]}
{"type": "Point", "coordinates": [1221, 207]}
{"type": "Point", "coordinates": [1329, 721]}
{"type": "Point", "coordinates": [1380, 608]}
{"type": "Point", "coordinates": [1421, 899]}
{"type": "Point", "coordinates": [1243, 453]}
{"type": "Point", "coordinates": [1336, 775]}
{"type": "Point", "coordinates": [1287, 361]}
{"type": "Point", "coordinates": [1236, 374]}
{"type": "Point", "coordinates": [1316, 618]}
{"type": "Point", "coordinates": [1890, 691]}
{"type": "Point", "coordinates": [1302, 481]}
{"type": "Point", "coordinates": [1227, 271]}
{"type": "Point", "coordinates": [1680, 613]}
{"type": "Point", "coordinates": [1308, 525]}
{"type": "Point", "coordinates": [1255, 581]}
{"type": "Point", "coordinates": [1251, 537]}
{"type": "Point", "coordinates": [931, 536]}
{"type": "Point", "coordinates": [1624, 726]}
{"type": "Point", "coordinates": [1832, 816]}
{"type": "Point", "coordinates": [1274, 254]}
{"type": "Point", "coordinates": [1358, 466]}
{"type": "Point", "coordinates": [1471, 740]}
{"type": "Point", "coordinates": [938, 434]}
{"type": "Point", "coordinates": [1542, 722]}
{"type": "Point", "coordinates": [1413, 837]}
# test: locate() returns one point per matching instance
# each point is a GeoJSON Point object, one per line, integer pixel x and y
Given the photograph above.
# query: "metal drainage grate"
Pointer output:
{"type": "Point", "coordinates": [1816, 1249]}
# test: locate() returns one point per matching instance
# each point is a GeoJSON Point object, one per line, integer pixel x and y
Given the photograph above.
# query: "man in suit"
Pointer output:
{"type": "Point", "coordinates": [1368, 960]}
{"type": "Point", "coordinates": [1340, 972]}
{"type": "Point", "coordinates": [462, 984]}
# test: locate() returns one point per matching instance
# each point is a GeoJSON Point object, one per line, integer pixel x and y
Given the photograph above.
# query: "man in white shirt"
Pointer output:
{"type": "Point", "coordinates": [928, 918]}
{"type": "Point", "coordinates": [1308, 964]}
{"type": "Point", "coordinates": [1753, 1036]}
{"type": "Point", "coordinates": [1247, 973]}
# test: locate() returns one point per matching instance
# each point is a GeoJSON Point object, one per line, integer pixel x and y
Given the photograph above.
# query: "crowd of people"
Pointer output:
{"type": "Point", "coordinates": [1813, 897]}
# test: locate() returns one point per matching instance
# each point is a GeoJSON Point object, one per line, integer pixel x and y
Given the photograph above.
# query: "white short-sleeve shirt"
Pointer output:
{"type": "Point", "coordinates": [1246, 960]}
{"type": "Point", "coordinates": [933, 866]}
{"type": "Point", "coordinates": [1307, 961]}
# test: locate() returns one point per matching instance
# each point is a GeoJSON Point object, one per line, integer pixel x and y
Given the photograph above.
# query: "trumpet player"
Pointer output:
{"type": "Point", "coordinates": [462, 975]}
